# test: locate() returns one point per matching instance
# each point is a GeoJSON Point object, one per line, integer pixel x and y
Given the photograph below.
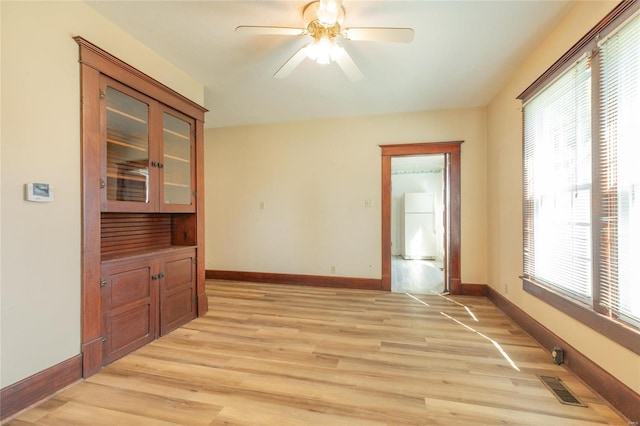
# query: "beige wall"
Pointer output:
{"type": "Point", "coordinates": [40, 272]}
{"type": "Point", "coordinates": [505, 199]}
{"type": "Point", "coordinates": [313, 178]}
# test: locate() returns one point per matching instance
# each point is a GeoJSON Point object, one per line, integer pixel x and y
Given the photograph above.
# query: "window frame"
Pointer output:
{"type": "Point", "coordinates": [591, 315]}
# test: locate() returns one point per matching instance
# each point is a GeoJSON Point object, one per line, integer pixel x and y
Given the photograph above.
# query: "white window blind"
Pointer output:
{"type": "Point", "coordinates": [557, 180]}
{"type": "Point", "coordinates": [619, 172]}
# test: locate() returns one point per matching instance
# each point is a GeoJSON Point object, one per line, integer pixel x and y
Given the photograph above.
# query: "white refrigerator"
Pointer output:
{"type": "Point", "coordinates": [419, 231]}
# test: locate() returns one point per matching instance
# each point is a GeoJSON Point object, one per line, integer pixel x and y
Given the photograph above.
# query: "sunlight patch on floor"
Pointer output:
{"type": "Point", "coordinates": [496, 344]}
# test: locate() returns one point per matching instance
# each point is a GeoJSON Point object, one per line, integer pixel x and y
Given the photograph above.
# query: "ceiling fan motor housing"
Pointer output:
{"type": "Point", "coordinates": [317, 30]}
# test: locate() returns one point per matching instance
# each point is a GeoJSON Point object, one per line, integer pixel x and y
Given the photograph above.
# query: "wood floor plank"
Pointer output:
{"type": "Point", "coordinates": [73, 413]}
{"type": "Point", "coordinates": [142, 403]}
{"type": "Point", "coordinates": [287, 355]}
{"type": "Point", "coordinates": [272, 414]}
{"type": "Point", "coordinates": [463, 413]}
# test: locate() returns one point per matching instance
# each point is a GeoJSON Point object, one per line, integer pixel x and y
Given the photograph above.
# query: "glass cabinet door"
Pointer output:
{"type": "Point", "coordinates": [127, 148]}
{"type": "Point", "coordinates": [177, 166]}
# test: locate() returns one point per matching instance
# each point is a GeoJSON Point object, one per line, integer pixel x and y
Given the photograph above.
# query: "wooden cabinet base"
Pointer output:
{"type": "Point", "coordinates": [144, 297]}
{"type": "Point", "coordinates": [91, 357]}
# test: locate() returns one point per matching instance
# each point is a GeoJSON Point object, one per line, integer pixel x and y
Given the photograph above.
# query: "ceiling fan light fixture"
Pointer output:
{"type": "Point", "coordinates": [329, 11]}
{"type": "Point", "coordinates": [323, 50]}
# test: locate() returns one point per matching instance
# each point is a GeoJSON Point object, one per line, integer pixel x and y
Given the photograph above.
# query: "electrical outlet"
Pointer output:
{"type": "Point", "coordinates": [333, 269]}
{"type": "Point", "coordinates": [558, 355]}
{"type": "Point", "coordinates": [506, 288]}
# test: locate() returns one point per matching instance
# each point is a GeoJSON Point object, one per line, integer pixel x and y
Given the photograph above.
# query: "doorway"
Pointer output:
{"type": "Point", "coordinates": [451, 216]}
{"type": "Point", "coordinates": [418, 237]}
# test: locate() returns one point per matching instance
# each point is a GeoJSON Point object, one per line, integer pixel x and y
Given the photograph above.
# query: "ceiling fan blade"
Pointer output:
{"type": "Point", "coordinates": [349, 67]}
{"type": "Point", "coordinates": [247, 29]}
{"type": "Point", "coordinates": [395, 35]}
{"type": "Point", "coordinates": [291, 64]}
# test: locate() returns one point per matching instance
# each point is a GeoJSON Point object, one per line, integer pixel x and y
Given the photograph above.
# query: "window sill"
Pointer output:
{"type": "Point", "coordinates": [624, 335]}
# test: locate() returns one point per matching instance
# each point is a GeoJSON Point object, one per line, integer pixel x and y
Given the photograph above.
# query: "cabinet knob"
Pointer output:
{"type": "Point", "coordinates": [154, 164]}
{"type": "Point", "coordinates": [161, 275]}
{"type": "Point", "coordinates": [154, 277]}
{"type": "Point", "coordinates": [160, 165]}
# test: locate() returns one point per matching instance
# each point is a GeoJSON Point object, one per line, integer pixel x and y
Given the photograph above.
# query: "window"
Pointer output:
{"type": "Point", "coordinates": [582, 179]}
{"type": "Point", "coordinates": [619, 174]}
{"type": "Point", "coordinates": [557, 140]}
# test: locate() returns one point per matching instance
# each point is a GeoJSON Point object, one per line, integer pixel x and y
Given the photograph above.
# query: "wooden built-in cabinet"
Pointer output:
{"type": "Point", "coordinates": [145, 297]}
{"type": "Point", "coordinates": [143, 210]}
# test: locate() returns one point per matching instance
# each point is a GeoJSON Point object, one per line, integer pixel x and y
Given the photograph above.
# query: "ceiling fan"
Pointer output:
{"type": "Point", "coordinates": [323, 23]}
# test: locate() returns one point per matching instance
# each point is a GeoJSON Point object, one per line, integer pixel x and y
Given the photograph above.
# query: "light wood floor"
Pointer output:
{"type": "Point", "coordinates": [416, 276]}
{"type": "Point", "coordinates": [283, 355]}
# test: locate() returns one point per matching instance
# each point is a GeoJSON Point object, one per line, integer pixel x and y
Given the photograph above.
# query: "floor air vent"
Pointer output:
{"type": "Point", "coordinates": [561, 392]}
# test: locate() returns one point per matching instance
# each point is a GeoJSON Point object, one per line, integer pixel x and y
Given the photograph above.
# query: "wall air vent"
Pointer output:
{"type": "Point", "coordinates": [564, 395]}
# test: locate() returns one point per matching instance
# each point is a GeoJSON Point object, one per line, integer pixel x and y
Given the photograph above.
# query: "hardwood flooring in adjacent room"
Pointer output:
{"type": "Point", "coordinates": [284, 355]}
{"type": "Point", "coordinates": [416, 276]}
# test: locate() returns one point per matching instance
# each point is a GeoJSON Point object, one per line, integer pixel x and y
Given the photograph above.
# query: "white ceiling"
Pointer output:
{"type": "Point", "coordinates": [461, 54]}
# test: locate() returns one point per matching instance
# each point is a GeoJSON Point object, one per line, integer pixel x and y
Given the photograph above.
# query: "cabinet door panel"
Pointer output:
{"type": "Point", "coordinates": [177, 292]}
{"type": "Point", "coordinates": [177, 309]}
{"type": "Point", "coordinates": [178, 159]}
{"type": "Point", "coordinates": [129, 328]}
{"type": "Point", "coordinates": [178, 273]}
{"type": "Point", "coordinates": [126, 122]}
{"type": "Point", "coordinates": [129, 309]}
{"type": "Point", "coordinates": [129, 287]}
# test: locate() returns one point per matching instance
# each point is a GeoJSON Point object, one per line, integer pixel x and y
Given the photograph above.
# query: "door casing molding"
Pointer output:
{"type": "Point", "coordinates": [452, 151]}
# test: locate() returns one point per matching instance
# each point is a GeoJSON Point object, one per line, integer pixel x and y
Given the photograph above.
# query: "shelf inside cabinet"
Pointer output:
{"type": "Point", "coordinates": [173, 157]}
{"type": "Point", "coordinates": [124, 114]}
{"type": "Point", "coordinates": [140, 178]}
{"type": "Point", "coordinates": [136, 234]}
{"type": "Point", "coordinates": [126, 145]}
{"type": "Point", "coordinates": [143, 253]}
{"type": "Point", "coordinates": [177, 134]}
{"type": "Point", "coordinates": [179, 185]}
